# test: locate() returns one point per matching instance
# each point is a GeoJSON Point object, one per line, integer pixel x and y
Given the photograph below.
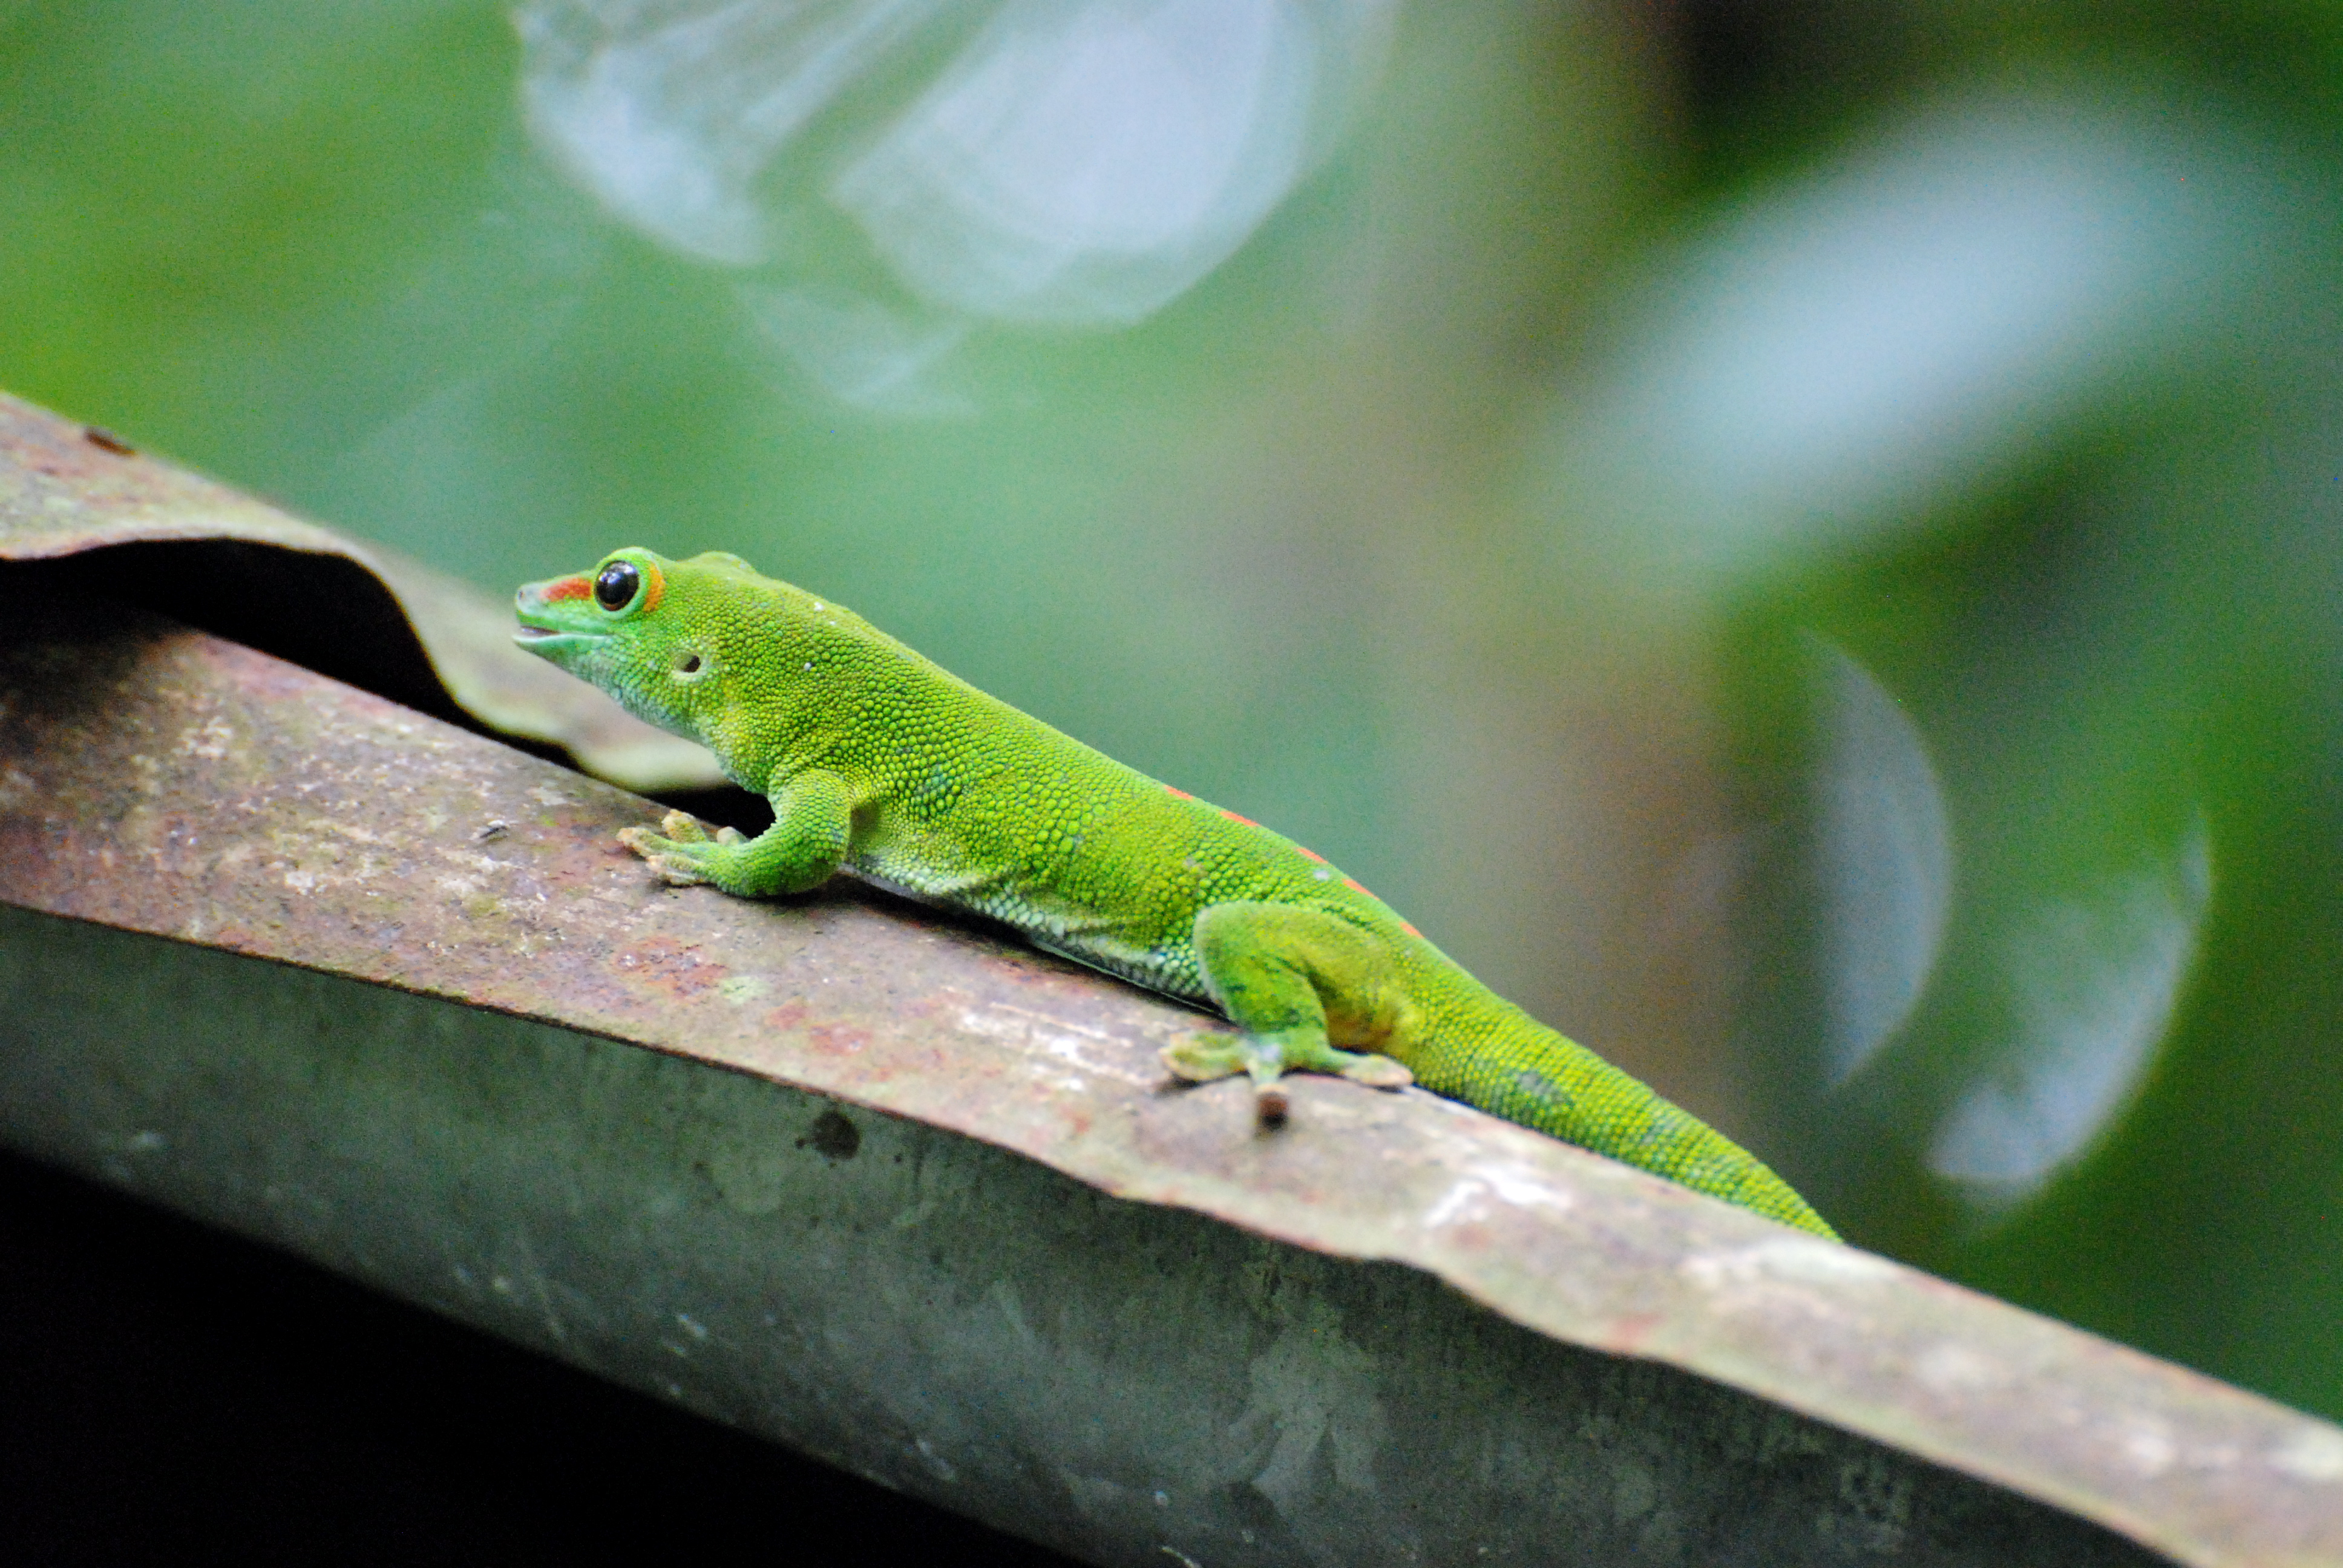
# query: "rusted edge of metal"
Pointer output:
{"type": "Point", "coordinates": [164, 781]}
{"type": "Point", "coordinates": [68, 489]}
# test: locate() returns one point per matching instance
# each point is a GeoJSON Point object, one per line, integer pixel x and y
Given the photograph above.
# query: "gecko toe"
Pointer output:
{"type": "Point", "coordinates": [1378, 1072]}
{"type": "Point", "coordinates": [1202, 1057]}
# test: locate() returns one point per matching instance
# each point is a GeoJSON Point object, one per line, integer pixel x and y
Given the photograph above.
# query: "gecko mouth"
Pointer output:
{"type": "Point", "coordinates": [542, 639]}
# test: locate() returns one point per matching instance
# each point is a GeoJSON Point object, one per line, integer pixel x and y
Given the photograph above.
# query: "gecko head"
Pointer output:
{"type": "Point", "coordinates": [649, 631]}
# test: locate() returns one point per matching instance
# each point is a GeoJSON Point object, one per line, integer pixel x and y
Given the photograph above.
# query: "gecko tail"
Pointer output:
{"type": "Point", "coordinates": [1526, 1072]}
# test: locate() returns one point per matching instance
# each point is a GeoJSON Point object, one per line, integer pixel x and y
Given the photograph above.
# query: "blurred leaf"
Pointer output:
{"type": "Point", "coordinates": [1838, 358]}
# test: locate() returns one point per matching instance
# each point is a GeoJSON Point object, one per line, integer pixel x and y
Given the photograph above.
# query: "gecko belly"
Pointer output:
{"type": "Point", "coordinates": [1081, 935]}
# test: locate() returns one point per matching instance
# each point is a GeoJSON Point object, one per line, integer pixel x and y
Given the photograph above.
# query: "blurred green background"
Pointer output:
{"type": "Point", "coordinates": [1796, 537]}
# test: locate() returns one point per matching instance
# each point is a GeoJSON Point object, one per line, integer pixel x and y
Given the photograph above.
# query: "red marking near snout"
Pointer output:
{"type": "Point", "coordinates": [567, 587]}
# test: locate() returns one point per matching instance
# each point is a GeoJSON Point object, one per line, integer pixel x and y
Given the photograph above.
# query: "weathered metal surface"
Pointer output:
{"type": "Point", "coordinates": [217, 557]}
{"type": "Point", "coordinates": [168, 783]}
{"type": "Point", "coordinates": [1135, 1385]}
{"type": "Point", "coordinates": [163, 781]}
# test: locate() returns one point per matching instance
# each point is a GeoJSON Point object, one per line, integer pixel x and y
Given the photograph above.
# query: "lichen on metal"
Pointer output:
{"type": "Point", "coordinates": [162, 781]}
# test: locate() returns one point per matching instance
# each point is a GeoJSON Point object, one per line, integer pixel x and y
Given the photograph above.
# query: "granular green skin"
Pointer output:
{"type": "Point", "coordinates": [880, 762]}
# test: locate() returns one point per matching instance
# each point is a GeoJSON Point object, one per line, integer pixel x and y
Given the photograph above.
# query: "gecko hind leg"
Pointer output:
{"type": "Point", "coordinates": [1292, 981]}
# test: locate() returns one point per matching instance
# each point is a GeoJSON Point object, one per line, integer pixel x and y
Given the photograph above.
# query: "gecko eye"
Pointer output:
{"type": "Point", "coordinates": [615, 584]}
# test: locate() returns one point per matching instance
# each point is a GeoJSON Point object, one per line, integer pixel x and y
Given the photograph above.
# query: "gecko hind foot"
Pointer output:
{"type": "Point", "coordinates": [1203, 1058]}
{"type": "Point", "coordinates": [680, 850]}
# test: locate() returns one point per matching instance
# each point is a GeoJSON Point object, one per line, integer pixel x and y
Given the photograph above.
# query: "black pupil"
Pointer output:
{"type": "Point", "coordinates": [614, 589]}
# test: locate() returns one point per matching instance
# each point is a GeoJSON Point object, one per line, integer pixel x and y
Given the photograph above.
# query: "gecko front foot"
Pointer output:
{"type": "Point", "coordinates": [680, 851]}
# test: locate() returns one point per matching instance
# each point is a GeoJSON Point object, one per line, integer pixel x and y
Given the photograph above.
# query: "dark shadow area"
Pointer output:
{"type": "Point", "coordinates": [1761, 80]}
{"type": "Point", "coordinates": [320, 612]}
{"type": "Point", "coordinates": [171, 1394]}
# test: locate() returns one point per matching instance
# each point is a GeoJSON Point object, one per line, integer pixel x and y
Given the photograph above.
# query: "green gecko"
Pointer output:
{"type": "Point", "coordinates": [879, 763]}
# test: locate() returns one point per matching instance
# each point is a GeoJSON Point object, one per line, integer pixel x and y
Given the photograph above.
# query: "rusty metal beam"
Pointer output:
{"type": "Point", "coordinates": [870, 1197]}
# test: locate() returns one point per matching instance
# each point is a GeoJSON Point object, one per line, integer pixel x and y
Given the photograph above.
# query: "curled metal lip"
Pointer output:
{"type": "Point", "coordinates": [138, 528]}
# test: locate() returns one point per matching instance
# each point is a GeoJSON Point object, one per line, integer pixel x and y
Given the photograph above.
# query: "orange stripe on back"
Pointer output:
{"type": "Point", "coordinates": [1179, 794]}
{"type": "Point", "coordinates": [1233, 817]}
